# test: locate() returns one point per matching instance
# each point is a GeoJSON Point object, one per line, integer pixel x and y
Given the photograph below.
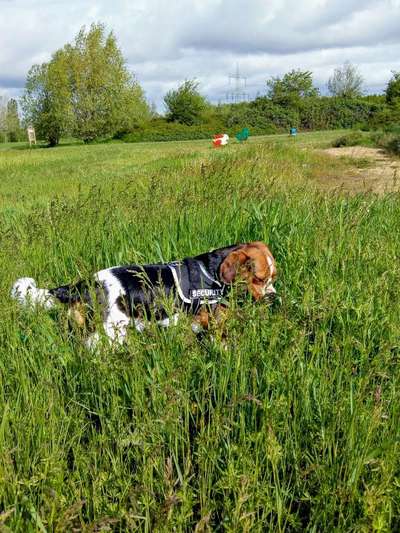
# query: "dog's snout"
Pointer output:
{"type": "Point", "coordinates": [270, 290]}
{"type": "Point", "coordinates": [270, 293]}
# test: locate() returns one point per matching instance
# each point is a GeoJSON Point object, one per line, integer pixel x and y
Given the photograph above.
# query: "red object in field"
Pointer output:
{"type": "Point", "coordinates": [221, 139]}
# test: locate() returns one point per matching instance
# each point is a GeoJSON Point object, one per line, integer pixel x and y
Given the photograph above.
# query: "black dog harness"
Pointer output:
{"type": "Point", "coordinates": [194, 285]}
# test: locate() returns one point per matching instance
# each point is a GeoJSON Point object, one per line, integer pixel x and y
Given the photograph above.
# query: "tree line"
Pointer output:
{"type": "Point", "coordinates": [87, 91]}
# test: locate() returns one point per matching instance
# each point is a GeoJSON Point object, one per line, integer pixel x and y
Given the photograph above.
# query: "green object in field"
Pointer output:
{"type": "Point", "coordinates": [243, 135]}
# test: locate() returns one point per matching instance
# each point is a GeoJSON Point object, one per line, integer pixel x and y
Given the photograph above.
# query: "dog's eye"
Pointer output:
{"type": "Point", "coordinates": [258, 281]}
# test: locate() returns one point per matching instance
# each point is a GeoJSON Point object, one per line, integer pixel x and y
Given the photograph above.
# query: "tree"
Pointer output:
{"type": "Point", "coordinates": [292, 88]}
{"type": "Point", "coordinates": [10, 127]}
{"type": "Point", "coordinates": [393, 89]}
{"type": "Point", "coordinates": [346, 81]}
{"type": "Point", "coordinates": [106, 97]}
{"type": "Point", "coordinates": [13, 126]}
{"type": "Point", "coordinates": [185, 104]}
{"type": "Point", "coordinates": [47, 100]}
{"type": "Point", "coordinates": [85, 90]}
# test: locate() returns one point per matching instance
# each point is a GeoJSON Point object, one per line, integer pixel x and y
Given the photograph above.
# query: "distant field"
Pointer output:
{"type": "Point", "coordinates": [293, 427]}
{"type": "Point", "coordinates": [33, 176]}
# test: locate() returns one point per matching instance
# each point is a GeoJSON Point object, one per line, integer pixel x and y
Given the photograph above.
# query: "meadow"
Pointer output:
{"type": "Point", "coordinates": [292, 426]}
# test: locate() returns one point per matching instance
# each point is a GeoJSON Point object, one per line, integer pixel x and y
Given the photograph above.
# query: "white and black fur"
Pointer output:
{"type": "Point", "coordinates": [134, 293]}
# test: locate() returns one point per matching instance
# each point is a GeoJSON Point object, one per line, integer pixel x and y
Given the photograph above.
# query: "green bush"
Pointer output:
{"type": "Point", "coordinates": [393, 128]}
{"type": "Point", "coordinates": [393, 90]}
{"type": "Point", "coordinates": [387, 118]}
{"type": "Point", "coordinates": [17, 135]}
{"type": "Point", "coordinates": [262, 114]}
{"type": "Point", "coordinates": [394, 145]}
{"type": "Point", "coordinates": [350, 139]}
{"type": "Point", "coordinates": [337, 113]}
{"type": "Point", "coordinates": [185, 104]}
{"type": "Point", "coordinates": [388, 141]}
{"type": "Point", "coordinates": [264, 117]}
{"type": "Point", "coordinates": [161, 130]}
{"type": "Point", "coordinates": [311, 113]}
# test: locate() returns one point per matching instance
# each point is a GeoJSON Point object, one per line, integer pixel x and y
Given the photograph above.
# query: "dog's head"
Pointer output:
{"type": "Point", "coordinates": [253, 264]}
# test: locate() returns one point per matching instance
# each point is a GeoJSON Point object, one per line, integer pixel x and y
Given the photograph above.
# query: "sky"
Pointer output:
{"type": "Point", "coordinates": [167, 41]}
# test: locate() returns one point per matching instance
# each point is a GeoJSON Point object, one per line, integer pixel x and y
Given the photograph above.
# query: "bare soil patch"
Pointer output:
{"type": "Point", "coordinates": [368, 169]}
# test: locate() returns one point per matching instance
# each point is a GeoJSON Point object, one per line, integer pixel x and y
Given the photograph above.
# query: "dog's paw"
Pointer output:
{"type": "Point", "coordinates": [92, 343]}
{"type": "Point", "coordinates": [197, 328]}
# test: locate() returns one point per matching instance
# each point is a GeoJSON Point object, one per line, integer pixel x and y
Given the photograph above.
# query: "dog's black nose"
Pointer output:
{"type": "Point", "coordinates": [270, 297]}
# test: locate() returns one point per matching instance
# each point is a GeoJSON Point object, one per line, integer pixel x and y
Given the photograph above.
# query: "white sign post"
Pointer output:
{"type": "Point", "coordinates": [31, 135]}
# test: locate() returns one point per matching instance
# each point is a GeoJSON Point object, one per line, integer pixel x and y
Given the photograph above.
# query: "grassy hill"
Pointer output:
{"type": "Point", "coordinates": [294, 426]}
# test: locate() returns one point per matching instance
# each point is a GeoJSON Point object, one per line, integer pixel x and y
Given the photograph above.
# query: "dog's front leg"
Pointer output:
{"type": "Point", "coordinates": [211, 321]}
{"type": "Point", "coordinates": [115, 329]}
{"type": "Point", "coordinates": [115, 324]}
{"type": "Point", "coordinates": [92, 341]}
{"type": "Point", "coordinates": [201, 321]}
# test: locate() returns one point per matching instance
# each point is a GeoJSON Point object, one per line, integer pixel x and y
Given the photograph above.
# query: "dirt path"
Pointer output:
{"type": "Point", "coordinates": [370, 169]}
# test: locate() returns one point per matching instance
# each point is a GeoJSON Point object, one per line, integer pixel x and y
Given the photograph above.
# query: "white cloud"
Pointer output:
{"type": "Point", "coordinates": [165, 42]}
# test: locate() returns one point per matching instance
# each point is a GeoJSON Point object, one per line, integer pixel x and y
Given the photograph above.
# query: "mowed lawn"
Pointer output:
{"type": "Point", "coordinates": [292, 425]}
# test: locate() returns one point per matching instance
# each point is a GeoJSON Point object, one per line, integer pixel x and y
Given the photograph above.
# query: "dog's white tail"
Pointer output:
{"type": "Point", "coordinates": [27, 293]}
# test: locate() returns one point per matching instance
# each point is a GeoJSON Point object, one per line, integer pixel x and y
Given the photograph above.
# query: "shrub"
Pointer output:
{"type": "Point", "coordinates": [161, 130]}
{"type": "Point", "coordinates": [393, 89]}
{"type": "Point", "coordinates": [394, 145]}
{"type": "Point", "coordinates": [264, 113]}
{"type": "Point", "coordinates": [311, 113]}
{"type": "Point", "coordinates": [388, 141]}
{"type": "Point", "coordinates": [350, 139]}
{"type": "Point", "coordinates": [393, 128]}
{"type": "Point", "coordinates": [185, 104]}
{"type": "Point", "coordinates": [260, 115]}
{"type": "Point", "coordinates": [263, 117]}
{"type": "Point", "coordinates": [387, 118]}
{"type": "Point", "coordinates": [338, 113]}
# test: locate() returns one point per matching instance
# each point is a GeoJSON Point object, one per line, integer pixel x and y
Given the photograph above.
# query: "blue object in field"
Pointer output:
{"type": "Point", "coordinates": [293, 132]}
{"type": "Point", "coordinates": [243, 135]}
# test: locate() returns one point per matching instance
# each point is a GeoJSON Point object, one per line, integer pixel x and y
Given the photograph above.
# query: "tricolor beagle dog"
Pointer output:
{"type": "Point", "coordinates": [199, 286]}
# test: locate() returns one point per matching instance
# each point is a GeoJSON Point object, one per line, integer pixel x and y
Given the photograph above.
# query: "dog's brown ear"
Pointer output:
{"type": "Point", "coordinates": [257, 253]}
{"type": "Point", "coordinates": [231, 265]}
{"type": "Point", "coordinates": [254, 264]}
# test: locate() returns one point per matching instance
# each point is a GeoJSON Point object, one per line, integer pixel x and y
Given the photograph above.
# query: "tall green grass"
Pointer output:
{"type": "Point", "coordinates": [293, 426]}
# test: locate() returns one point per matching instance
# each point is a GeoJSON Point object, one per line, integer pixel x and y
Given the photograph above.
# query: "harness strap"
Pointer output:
{"type": "Point", "coordinates": [198, 290]}
{"type": "Point", "coordinates": [207, 274]}
{"type": "Point", "coordinates": [178, 285]}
